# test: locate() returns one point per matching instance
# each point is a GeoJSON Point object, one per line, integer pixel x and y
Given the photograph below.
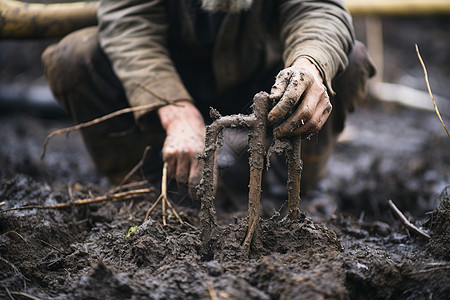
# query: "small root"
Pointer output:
{"type": "Point", "coordinates": [22, 294]}
{"type": "Point", "coordinates": [406, 223]}
{"type": "Point", "coordinates": [137, 167]}
{"type": "Point", "coordinates": [127, 186]}
{"type": "Point", "coordinates": [11, 265]}
{"type": "Point", "coordinates": [165, 200]}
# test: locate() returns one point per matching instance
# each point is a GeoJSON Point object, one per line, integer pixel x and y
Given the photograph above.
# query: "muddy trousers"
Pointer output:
{"type": "Point", "coordinates": [82, 80]}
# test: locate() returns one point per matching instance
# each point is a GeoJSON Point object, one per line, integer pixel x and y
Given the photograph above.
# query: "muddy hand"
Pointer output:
{"type": "Point", "coordinates": [302, 103]}
{"type": "Point", "coordinates": [185, 135]}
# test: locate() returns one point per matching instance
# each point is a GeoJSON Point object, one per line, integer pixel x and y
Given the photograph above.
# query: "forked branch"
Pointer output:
{"type": "Point", "coordinates": [257, 122]}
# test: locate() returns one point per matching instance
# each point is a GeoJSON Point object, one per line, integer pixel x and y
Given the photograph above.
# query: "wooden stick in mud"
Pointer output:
{"type": "Point", "coordinates": [205, 190]}
{"type": "Point", "coordinates": [295, 167]}
{"type": "Point", "coordinates": [113, 197]}
{"type": "Point", "coordinates": [405, 221]}
{"type": "Point", "coordinates": [256, 142]}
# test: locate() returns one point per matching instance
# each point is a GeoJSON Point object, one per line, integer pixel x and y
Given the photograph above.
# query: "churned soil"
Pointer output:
{"type": "Point", "coordinates": [346, 243]}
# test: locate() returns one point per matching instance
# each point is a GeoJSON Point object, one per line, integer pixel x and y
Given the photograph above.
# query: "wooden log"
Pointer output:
{"type": "Point", "coordinates": [20, 20]}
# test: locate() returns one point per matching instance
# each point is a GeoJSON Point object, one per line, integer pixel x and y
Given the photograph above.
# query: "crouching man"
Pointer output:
{"type": "Point", "coordinates": [187, 56]}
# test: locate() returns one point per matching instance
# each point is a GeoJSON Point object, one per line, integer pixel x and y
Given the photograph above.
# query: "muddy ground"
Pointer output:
{"type": "Point", "coordinates": [346, 244]}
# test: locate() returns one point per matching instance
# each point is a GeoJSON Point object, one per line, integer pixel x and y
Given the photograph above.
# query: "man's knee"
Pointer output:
{"type": "Point", "coordinates": [67, 63]}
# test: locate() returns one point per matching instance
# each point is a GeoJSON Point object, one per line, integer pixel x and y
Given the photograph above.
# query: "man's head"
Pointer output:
{"type": "Point", "coordinates": [227, 6]}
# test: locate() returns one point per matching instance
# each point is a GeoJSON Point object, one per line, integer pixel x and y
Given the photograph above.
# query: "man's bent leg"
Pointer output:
{"type": "Point", "coordinates": [351, 89]}
{"type": "Point", "coordinates": [82, 80]}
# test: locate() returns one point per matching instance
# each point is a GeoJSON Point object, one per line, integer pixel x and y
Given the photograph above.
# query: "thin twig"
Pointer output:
{"type": "Point", "coordinates": [191, 226]}
{"type": "Point", "coordinates": [430, 270]}
{"type": "Point", "coordinates": [127, 186]}
{"type": "Point", "coordinates": [19, 235]}
{"type": "Point", "coordinates": [11, 265]}
{"type": "Point", "coordinates": [70, 191]}
{"type": "Point", "coordinates": [114, 197]}
{"type": "Point", "coordinates": [119, 112]}
{"type": "Point", "coordinates": [174, 211]}
{"type": "Point", "coordinates": [406, 223]}
{"type": "Point", "coordinates": [161, 98]}
{"type": "Point", "coordinates": [138, 166]}
{"type": "Point", "coordinates": [22, 294]}
{"type": "Point", "coordinates": [212, 292]}
{"type": "Point", "coordinates": [164, 193]}
{"type": "Point", "coordinates": [165, 200]}
{"type": "Point", "coordinates": [151, 106]}
{"type": "Point", "coordinates": [152, 207]}
{"type": "Point", "coordinates": [51, 246]}
{"type": "Point", "coordinates": [429, 89]}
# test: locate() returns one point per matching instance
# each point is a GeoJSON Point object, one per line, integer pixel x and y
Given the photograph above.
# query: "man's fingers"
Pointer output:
{"type": "Point", "coordinates": [195, 173]}
{"type": "Point", "coordinates": [299, 81]}
{"type": "Point", "coordinates": [301, 123]}
{"type": "Point", "coordinates": [315, 99]}
{"type": "Point", "coordinates": [183, 167]}
{"type": "Point", "coordinates": [170, 158]}
{"type": "Point", "coordinates": [317, 121]}
{"type": "Point", "coordinates": [281, 82]}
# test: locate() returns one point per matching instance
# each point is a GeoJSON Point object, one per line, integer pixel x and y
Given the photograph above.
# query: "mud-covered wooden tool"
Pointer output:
{"type": "Point", "coordinates": [257, 122]}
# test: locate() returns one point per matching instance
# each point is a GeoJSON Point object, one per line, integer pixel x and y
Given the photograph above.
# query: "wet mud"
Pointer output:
{"type": "Point", "coordinates": [345, 245]}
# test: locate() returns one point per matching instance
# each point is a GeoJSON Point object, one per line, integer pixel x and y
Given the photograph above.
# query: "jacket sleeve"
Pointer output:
{"type": "Point", "coordinates": [133, 34]}
{"type": "Point", "coordinates": [321, 31]}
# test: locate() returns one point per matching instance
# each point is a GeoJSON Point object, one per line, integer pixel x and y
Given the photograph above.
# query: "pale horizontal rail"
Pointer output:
{"type": "Point", "coordinates": [21, 20]}
{"type": "Point", "coordinates": [398, 7]}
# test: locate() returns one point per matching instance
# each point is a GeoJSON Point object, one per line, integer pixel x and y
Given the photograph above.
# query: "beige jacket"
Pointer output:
{"type": "Point", "coordinates": [137, 35]}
